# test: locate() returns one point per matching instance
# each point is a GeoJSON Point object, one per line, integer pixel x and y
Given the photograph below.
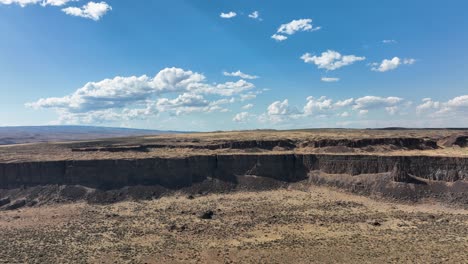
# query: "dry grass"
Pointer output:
{"type": "Point", "coordinates": [282, 226]}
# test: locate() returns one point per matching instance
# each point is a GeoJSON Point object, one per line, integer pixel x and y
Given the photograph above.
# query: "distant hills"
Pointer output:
{"type": "Point", "coordinates": [33, 134]}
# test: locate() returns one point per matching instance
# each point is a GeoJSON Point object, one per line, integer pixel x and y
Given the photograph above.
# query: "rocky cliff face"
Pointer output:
{"type": "Point", "coordinates": [182, 172]}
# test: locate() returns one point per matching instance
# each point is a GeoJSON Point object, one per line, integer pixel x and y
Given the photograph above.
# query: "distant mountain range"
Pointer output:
{"type": "Point", "coordinates": [33, 134]}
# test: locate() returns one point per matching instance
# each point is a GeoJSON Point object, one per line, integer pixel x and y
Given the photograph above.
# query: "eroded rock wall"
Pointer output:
{"type": "Point", "coordinates": [182, 172]}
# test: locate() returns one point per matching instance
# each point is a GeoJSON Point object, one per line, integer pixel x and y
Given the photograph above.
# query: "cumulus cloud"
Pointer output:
{"type": "Point", "coordinates": [363, 112]}
{"type": "Point", "coordinates": [241, 75]}
{"type": "Point", "coordinates": [226, 89]}
{"type": "Point", "coordinates": [126, 95]}
{"type": "Point", "coordinates": [24, 3]}
{"type": "Point", "coordinates": [317, 105]}
{"type": "Point", "coordinates": [293, 27]}
{"type": "Point", "coordinates": [345, 114]}
{"type": "Point", "coordinates": [330, 79]}
{"type": "Point", "coordinates": [454, 106]}
{"type": "Point", "coordinates": [409, 61]}
{"type": "Point", "coordinates": [56, 2]}
{"type": "Point", "coordinates": [320, 111]}
{"type": "Point", "coordinates": [91, 10]}
{"type": "Point", "coordinates": [389, 41]}
{"type": "Point", "coordinates": [255, 15]}
{"type": "Point", "coordinates": [279, 111]}
{"type": "Point", "coordinates": [460, 102]}
{"type": "Point", "coordinates": [241, 117]}
{"type": "Point", "coordinates": [21, 3]}
{"type": "Point", "coordinates": [280, 108]}
{"type": "Point", "coordinates": [331, 60]}
{"type": "Point", "coordinates": [296, 26]}
{"type": "Point", "coordinates": [228, 15]}
{"type": "Point", "coordinates": [427, 105]}
{"type": "Point", "coordinates": [324, 107]}
{"type": "Point", "coordinates": [391, 104]}
{"type": "Point", "coordinates": [247, 106]}
{"type": "Point", "coordinates": [278, 37]}
{"type": "Point", "coordinates": [344, 103]}
{"type": "Point", "coordinates": [388, 65]}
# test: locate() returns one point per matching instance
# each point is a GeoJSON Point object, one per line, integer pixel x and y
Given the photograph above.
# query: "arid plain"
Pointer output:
{"type": "Point", "coordinates": [304, 196]}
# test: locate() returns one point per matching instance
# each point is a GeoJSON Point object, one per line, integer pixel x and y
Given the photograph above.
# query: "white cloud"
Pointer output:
{"type": "Point", "coordinates": [56, 2]}
{"type": "Point", "coordinates": [326, 108]}
{"type": "Point", "coordinates": [247, 106]}
{"type": "Point", "coordinates": [427, 105]}
{"type": "Point", "coordinates": [363, 112]}
{"type": "Point", "coordinates": [331, 60]}
{"type": "Point", "coordinates": [344, 114]}
{"type": "Point", "coordinates": [409, 61]}
{"type": "Point", "coordinates": [389, 41]}
{"type": "Point", "coordinates": [226, 89]}
{"type": "Point", "coordinates": [255, 15]}
{"type": "Point", "coordinates": [392, 110]}
{"type": "Point", "coordinates": [387, 65]}
{"type": "Point", "coordinates": [330, 79]}
{"type": "Point", "coordinates": [21, 3]}
{"type": "Point", "coordinates": [240, 74]}
{"type": "Point", "coordinates": [24, 3]}
{"type": "Point", "coordinates": [91, 10]}
{"type": "Point", "coordinates": [127, 95]}
{"type": "Point", "coordinates": [228, 15]}
{"type": "Point", "coordinates": [344, 103]}
{"type": "Point", "coordinates": [317, 105]}
{"type": "Point", "coordinates": [391, 104]}
{"type": "Point", "coordinates": [454, 106]}
{"type": "Point", "coordinates": [279, 108]}
{"type": "Point", "coordinates": [122, 91]}
{"type": "Point", "coordinates": [292, 27]}
{"type": "Point", "coordinates": [460, 102]}
{"type": "Point", "coordinates": [279, 111]}
{"type": "Point", "coordinates": [279, 37]}
{"type": "Point", "coordinates": [241, 117]}
{"type": "Point", "coordinates": [296, 26]}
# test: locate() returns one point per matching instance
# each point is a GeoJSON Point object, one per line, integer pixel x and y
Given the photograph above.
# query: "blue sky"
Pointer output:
{"type": "Point", "coordinates": [166, 64]}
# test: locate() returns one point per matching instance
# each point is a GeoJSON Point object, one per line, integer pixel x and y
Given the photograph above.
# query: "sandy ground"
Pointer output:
{"type": "Point", "coordinates": [296, 225]}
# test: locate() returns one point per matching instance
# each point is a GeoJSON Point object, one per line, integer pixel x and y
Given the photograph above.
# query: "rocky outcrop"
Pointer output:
{"type": "Point", "coordinates": [455, 140]}
{"type": "Point", "coordinates": [407, 143]}
{"type": "Point", "coordinates": [394, 143]}
{"type": "Point", "coordinates": [238, 144]}
{"type": "Point", "coordinates": [16, 205]}
{"type": "Point", "coordinates": [181, 172]}
{"type": "Point", "coordinates": [4, 201]}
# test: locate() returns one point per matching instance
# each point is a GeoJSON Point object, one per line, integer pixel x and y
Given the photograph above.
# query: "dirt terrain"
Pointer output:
{"type": "Point", "coordinates": [294, 225]}
{"type": "Point", "coordinates": [303, 196]}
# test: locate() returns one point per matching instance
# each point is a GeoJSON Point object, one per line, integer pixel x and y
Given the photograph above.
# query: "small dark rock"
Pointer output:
{"type": "Point", "coordinates": [4, 201]}
{"type": "Point", "coordinates": [375, 223]}
{"type": "Point", "coordinates": [190, 197]}
{"type": "Point", "coordinates": [207, 215]}
{"type": "Point", "coordinates": [16, 205]}
{"type": "Point", "coordinates": [111, 215]}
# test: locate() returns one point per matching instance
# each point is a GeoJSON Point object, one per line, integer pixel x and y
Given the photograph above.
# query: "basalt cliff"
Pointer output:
{"type": "Point", "coordinates": [434, 164]}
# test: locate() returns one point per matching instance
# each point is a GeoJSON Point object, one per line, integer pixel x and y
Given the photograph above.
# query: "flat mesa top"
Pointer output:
{"type": "Point", "coordinates": [429, 142]}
